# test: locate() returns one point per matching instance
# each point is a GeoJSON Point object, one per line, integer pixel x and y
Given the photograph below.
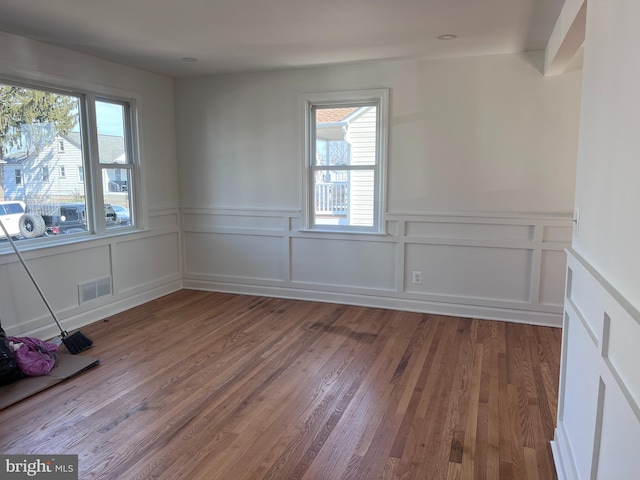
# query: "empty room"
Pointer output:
{"type": "Point", "coordinates": [337, 240]}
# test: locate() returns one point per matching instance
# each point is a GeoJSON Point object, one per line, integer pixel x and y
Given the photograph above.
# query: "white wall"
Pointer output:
{"type": "Point", "coordinates": [599, 407]}
{"type": "Point", "coordinates": [481, 134]}
{"type": "Point", "coordinates": [481, 164]}
{"type": "Point", "coordinates": [607, 192]}
{"type": "Point", "coordinates": [143, 265]}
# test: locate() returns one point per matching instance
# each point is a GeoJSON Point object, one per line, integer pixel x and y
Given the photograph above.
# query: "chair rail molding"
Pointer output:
{"type": "Point", "coordinates": [500, 266]}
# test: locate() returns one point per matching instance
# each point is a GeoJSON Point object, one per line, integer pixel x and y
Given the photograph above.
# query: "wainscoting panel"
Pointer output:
{"type": "Point", "coordinates": [581, 392]}
{"type": "Point", "coordinates": [248, 257]}
{"type": "Point", "coordinates": [226, 221]}
{"type": "Point", "coordinates": [500, 266]}
{"type": "Point", "coordinates": [57, 275]}
{"type": "Point", "coordinates": [619, 438]}
{"type": "Point", "coordinates": [157, 254]}
{"type": "Point", "coordinates": [469, 230]}
{"type": "Point", "coordinates": [552, 275]}
{"type": "Point", "coordinates": [346, 263]}
{"type": "Point", "coordinates": [141, 265]}
{"type": "Point", "coordinates": [501, 274]}
{"type": "Point", "coordinates": [598, 429]}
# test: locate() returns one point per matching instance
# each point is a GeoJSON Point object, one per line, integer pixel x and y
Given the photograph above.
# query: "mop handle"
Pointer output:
{"type": "Point", "coordinates": [24, 264]}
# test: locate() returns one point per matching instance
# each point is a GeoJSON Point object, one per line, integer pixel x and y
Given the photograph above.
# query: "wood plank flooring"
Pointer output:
{"type": "Point", "coordinates": [211, 386]}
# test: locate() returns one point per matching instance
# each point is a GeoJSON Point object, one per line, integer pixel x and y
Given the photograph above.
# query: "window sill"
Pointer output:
{"type": "Point", "coordinates": [61, 241]}
{"type": "Point", "coordinates": [341, 232]}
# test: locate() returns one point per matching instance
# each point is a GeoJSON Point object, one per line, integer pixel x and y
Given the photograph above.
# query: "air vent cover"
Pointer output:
{"type": "Point", "coordinates": [95, 289]}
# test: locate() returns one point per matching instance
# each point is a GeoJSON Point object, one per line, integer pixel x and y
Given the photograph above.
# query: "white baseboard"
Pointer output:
{"type": "Point", "coordinates": [562, 456]}
{"type": "Point", "coordinates": [104, 311]}
{"type": "Point", "coordinates": [394, 303]}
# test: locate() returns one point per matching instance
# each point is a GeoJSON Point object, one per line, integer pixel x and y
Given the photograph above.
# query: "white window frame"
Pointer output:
{"type": "Point", "coordinates": [92, 169]}
{"type": "Point", "coordinates": [378, 97]}
{"type": "Point", "coordinates": [132, 166]}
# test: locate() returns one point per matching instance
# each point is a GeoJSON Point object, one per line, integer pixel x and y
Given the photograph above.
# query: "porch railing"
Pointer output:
{"type": "Point", "coordinates": [331, 198]}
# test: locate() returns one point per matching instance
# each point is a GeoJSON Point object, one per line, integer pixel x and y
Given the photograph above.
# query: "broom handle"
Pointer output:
{"type": "Point", "coordinates": [24, 264]}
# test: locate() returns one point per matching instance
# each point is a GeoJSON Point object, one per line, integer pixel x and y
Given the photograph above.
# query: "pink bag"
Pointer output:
{"type": "Point", "coordinates": [35, 357]}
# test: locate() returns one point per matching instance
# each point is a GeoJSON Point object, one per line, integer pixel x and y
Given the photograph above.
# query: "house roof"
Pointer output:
{"type": "Point", "coordinates": [333, 115]}
{"type": "Point", "coordinates": [111, 149]}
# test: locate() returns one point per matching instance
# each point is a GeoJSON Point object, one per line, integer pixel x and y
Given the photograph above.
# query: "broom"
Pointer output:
{"type": "Point", "coordinates": [76, 342]}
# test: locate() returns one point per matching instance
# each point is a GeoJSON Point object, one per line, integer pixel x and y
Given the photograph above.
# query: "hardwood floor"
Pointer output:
{"type": "Point", "coordinates": [200, 385]}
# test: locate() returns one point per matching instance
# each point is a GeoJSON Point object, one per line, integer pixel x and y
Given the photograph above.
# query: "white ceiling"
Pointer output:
{"type": "Point", "coordinates": [248, 35]}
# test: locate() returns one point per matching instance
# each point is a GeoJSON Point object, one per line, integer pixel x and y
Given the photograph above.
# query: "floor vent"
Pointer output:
{"type": "Point", "coordinates": [96, 289]}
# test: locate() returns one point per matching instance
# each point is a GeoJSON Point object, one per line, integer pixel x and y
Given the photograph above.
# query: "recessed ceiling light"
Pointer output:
{"type": "Point", "coordinates": [448, 36]}
{"type": "Point", "coordinates": [189, 59]}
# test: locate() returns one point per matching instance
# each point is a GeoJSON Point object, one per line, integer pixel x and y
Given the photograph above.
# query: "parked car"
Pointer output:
{"type": "Point", "coordinates": [10, 213]}
{"type": "Point", "coordinates": [63, 218]}
{"type": "Point", "coordinates": [68, 217]}
{"type": "Point", "coordinates": [123, 215]}
{"type": "Point", "coordinates": [110, 216]}
{"type": "Point", "coordinates": [19, 222]}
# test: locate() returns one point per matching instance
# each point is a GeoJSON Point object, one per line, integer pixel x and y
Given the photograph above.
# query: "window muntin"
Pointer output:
{"type": "Point", "coordinates": [345, 156]}
{"type": "Point", "coordinates": [37, 152]}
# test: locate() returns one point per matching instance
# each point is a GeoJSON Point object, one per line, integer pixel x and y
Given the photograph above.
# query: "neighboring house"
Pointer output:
{"type": "Point", "coordinates": [56, 173]}
{"type": "Point", "coordinates": [346, 136]}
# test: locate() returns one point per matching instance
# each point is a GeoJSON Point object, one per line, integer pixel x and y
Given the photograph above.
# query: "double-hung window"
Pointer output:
{"type": "Point", "coordinates": [344, 160]}
{"type": "Point", "coordinates": [116, 153]}
{"type": "Point", "coordinates": [49, 131]}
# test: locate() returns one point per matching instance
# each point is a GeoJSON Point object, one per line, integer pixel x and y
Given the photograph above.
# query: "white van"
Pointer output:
{"type": "Point", "coordinates": [10, 213]}
{"type": "Point", "coordinates": [19, 223]}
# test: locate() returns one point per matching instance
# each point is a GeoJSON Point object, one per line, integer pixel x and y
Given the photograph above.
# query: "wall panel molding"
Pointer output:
{"type": "Point", "coordinates": [599, 395]}
{"type": "Point", "coordinates": [494, 266]}
{"type": "Point", "coordinates": [142, 265]}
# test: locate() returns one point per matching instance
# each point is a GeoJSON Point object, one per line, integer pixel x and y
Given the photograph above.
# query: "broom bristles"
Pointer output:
{"type": "Point", "coordinates": [76, 343]}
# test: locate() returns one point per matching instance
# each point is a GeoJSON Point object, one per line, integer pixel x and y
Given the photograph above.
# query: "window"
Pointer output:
{"type": "Point", "coordinates": [345, 158]}
{"type": "Point", "coordinates": [116, 159]}
{"type": "Point", "coordinates": [79, 130]}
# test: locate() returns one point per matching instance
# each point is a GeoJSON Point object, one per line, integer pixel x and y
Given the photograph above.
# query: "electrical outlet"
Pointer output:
{"type": "Point", "coordinates": [417, 277]}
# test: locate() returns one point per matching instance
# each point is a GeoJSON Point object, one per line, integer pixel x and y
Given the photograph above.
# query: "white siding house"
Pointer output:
{"type": "Point", "coordinates": [55, 174]}
{"type": "Point", "coordinates": [361, 135]}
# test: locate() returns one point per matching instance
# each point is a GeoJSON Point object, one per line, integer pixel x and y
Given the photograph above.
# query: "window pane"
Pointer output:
{"type": "Point", "coordinates": [345, 136]}
{"type": "Point", "coordinates": [40, 138]}
{"type": "Point", "coordinates": [344, 197]}
{"type": "Point", "coordinates": [110, 118]}
{"type": "Point", "coordinates": [116, 183]}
